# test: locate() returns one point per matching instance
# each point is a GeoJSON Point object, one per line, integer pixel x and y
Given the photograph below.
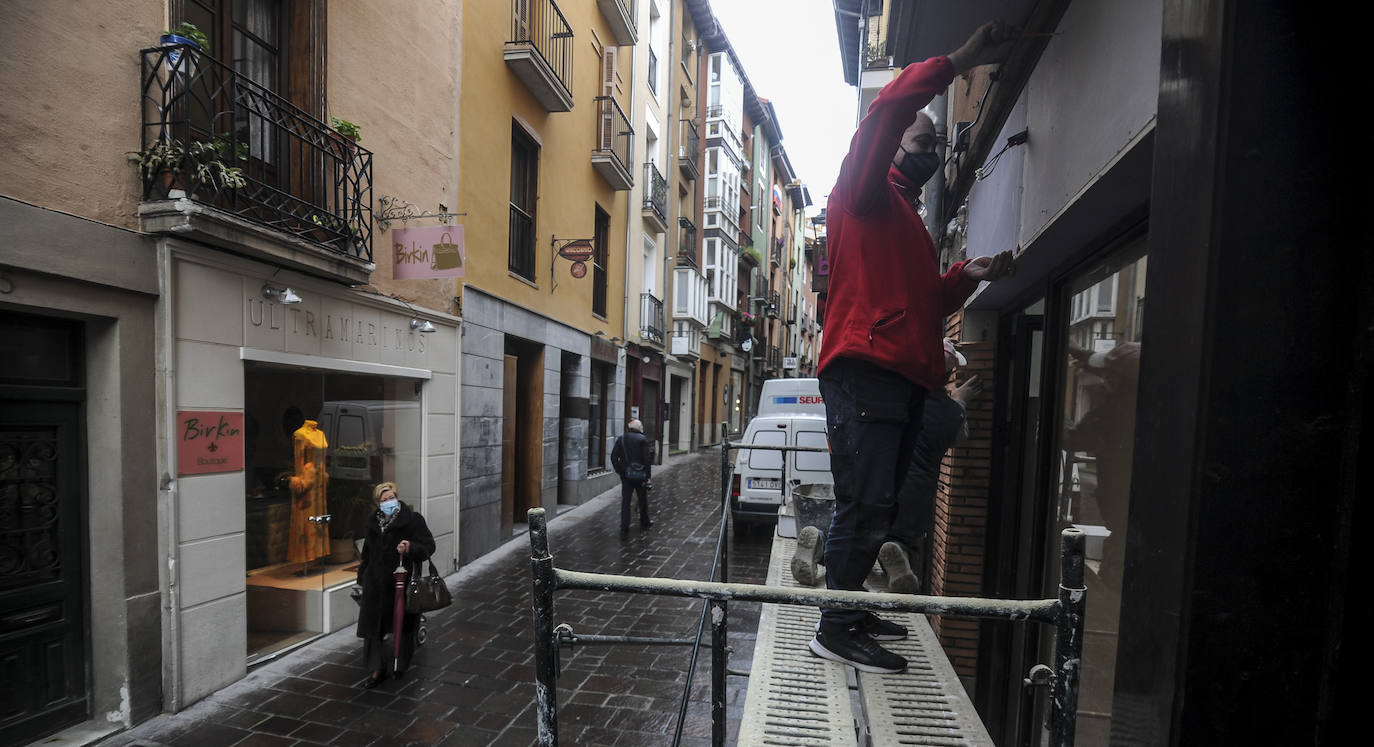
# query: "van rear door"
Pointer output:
{"type": "Point", "coordinates": [763, 475]}
{"type": "Point", "coordinates": [808, 467]}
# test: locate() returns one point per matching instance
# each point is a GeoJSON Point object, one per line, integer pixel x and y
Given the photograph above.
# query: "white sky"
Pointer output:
{"type": "Point", "coordinates": [791, 54]}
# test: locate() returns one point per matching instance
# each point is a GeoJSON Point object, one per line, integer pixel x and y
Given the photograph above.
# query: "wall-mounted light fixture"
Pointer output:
{"type": "Point", "coordinates": [616, 341]}
{"type": "Point", "coordinates": [422, 325]}
{"type": "Point", "coordinates": [283, 295]}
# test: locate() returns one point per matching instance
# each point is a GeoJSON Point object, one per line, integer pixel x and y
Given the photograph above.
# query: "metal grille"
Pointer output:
{"type": "Point", "coordinates": [924, 705]}
{"type": "Point", "coordinates": [796, 698]}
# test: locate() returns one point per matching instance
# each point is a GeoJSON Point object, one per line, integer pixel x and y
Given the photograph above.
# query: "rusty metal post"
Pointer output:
{"type": "Point", "coordinates": [719, 662]}
{"type": "Point", "coordinates": [545, 643]}
{"type": "Point", "coordinates": [719, 652]}
{"type": "Point", "coordinates": [1068, 643]}
{"type": "Point", "coordinates": [722, 551]}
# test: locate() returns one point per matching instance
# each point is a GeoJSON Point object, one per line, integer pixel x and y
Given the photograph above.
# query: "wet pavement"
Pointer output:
{"type": "Point", "coordinates": [472, 683]}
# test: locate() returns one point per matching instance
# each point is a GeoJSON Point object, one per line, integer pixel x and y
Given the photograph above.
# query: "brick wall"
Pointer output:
{"type": "Point", "coordinates": [961, 508]}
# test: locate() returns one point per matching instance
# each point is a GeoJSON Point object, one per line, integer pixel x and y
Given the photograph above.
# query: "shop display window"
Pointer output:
{"type": "Point", "coordinates": [316, 444]}
{"type": "Point", "coordinates": [1091, 470]}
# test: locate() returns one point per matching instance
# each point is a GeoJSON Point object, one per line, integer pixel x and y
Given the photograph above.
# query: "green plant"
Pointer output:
{"type": "Point", "coordinates": [346, 128]}
{"type": "Point", "coordinates": [203, 161]}
{"type": "Point", "coordinates": [187, 30]}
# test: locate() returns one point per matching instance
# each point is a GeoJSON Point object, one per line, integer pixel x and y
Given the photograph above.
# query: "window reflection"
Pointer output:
{"type": "Point", "coordinates": [1095, 442]}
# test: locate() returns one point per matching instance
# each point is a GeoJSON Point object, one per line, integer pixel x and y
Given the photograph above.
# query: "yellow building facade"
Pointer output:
{"type": "Point", "coordinates": [548, 161]}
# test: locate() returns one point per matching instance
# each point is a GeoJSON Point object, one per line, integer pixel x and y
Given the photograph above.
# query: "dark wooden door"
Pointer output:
{"type": "Point", "coordinates": [43, 633]}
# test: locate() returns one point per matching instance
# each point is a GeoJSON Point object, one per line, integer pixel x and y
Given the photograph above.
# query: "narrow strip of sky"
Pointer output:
{"type": "Point", "coordinates": [790, 51]}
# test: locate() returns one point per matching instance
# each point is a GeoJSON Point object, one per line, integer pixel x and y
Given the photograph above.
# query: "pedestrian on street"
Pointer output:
{"type": "Point", "coordinates": [881, 351]}
{"type": "Point", "coordinates": [395, 530]}
{"type": "Point", "coordinates": [633, 461]}
{"type": "Point", "coordinates": [944, 423]}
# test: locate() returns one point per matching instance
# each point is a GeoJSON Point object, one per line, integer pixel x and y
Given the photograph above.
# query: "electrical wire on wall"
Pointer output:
{"type": "Point", "coordinates": [986, 169]}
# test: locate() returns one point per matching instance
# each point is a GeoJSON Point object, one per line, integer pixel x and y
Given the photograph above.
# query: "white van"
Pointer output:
{"type": "Point", "coordinates": [791, 413]}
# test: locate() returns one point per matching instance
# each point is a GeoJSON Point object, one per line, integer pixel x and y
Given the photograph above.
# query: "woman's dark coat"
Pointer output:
{"type": "Point", "coordinates": [376, 572]}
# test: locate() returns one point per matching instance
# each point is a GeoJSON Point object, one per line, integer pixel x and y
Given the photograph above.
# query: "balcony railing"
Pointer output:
{"type": "Point", "coordinates": [650, 318]}
{"type": "Point", "coordinates": [688, 149]}
{"type": "Point", "coordinates": [655, 195]}
{"type": "Point", "coordinates": [614, 143]}
{"type": "Point", "coordinates": [687, 246]}
{"type": "Point", "coordinates": [713, 112]}
{"type": "Point", "coordinates": [770, 307]}
{"type": "Point", "coordinates": [221, 139]}
{"type": "Point", "coordinates": [541, 37]}
{"type": "Point", "coordinates": [713, 203]}
{"type": "Point", "coordinates": [620, 15]}
{"type": "Point", "coordinates": [773, 359]}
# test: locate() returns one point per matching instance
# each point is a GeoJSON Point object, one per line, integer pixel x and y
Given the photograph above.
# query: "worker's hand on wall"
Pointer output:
{"type": "Point", "coordinates": [989, 268]}
{"type": "Point", "coordinates": [969, 390]}
{"type": "Point", "coordinates": [990, 43]}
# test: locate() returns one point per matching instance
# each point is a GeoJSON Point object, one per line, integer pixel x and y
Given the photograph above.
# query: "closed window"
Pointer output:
{"type": "Point", "coordinates": [524, 180]}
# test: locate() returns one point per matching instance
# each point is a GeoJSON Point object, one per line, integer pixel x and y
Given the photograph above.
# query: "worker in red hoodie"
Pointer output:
{"type": "Point", "coordinates": [884, 331]}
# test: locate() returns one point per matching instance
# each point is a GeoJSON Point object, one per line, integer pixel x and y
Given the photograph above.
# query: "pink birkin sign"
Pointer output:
{"type": "Point", "coordinates": [209, 441]}
{"type": "Point", "coordinates": [418, 253]}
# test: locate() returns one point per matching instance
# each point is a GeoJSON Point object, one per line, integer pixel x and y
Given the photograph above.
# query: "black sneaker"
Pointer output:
{"type": "Point", "coordinates": [882, 630]}
{"type": "Point", "coordinates": [808, 553]}
{"type": "Point", "coordinates": [895, 561]}
{"type": "Point", "coordinates": [855, 648]}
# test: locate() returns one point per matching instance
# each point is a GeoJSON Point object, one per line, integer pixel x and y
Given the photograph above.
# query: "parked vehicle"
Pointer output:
{"type": "Point", "coordinates": [791, 413]}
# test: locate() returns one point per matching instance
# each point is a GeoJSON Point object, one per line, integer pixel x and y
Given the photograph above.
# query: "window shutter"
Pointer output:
{"type": "Point", "coordinates": [608, 70]}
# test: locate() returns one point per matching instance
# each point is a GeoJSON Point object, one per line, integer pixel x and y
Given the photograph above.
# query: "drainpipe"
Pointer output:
{"type": "Point", "coordinates": [934, 190]}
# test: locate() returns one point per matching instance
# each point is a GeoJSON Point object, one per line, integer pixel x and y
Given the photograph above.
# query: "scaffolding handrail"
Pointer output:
{"type": "Point", "coordinates": [1066, 613]}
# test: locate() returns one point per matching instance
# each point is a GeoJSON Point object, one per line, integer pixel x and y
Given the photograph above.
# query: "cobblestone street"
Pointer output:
{"type": "Point", "coordinates": [473, 682]}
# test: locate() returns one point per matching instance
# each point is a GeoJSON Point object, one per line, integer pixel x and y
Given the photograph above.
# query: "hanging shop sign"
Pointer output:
{"type": "Point", "coordinates": [577, 251]}
{"type": "Point", "coordinates": [422, 253]}
{"type": "Point", "coordinates": [209, 441]}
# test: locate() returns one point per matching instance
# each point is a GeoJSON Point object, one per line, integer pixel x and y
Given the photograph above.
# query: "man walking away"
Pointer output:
{"type": "Point", "coordinates": [881, 351]}
{"type": "Point", "coordinates": [633, 461]}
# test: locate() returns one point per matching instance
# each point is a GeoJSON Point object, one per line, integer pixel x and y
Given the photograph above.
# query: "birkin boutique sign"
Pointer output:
{"type": "Point", "coordinates": [209, 442]}
{"type": "Point", "coordinates": [419, 253]}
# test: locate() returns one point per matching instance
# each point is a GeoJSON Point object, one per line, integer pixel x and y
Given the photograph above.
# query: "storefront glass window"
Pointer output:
{"type": "Point", "coordinates": [1092, 469]}
{"type": "Point", "coordinates": [316, 444]}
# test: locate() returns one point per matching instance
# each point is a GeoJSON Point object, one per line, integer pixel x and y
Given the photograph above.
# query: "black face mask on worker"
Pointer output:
{"type": "Point", "coordinates": [918, 167]}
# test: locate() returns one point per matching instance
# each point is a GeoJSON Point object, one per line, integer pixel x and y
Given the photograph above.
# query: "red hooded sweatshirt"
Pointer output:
{"type": "Point", "coordinates": [887, 301]}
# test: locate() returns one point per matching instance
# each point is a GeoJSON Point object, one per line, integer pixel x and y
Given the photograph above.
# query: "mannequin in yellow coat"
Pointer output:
{"type": "Point", "coordinates": [309, 540]}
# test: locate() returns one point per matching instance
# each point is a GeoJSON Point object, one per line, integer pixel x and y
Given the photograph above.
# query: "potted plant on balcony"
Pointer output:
{"type": "Point", "coordinates": [203, 162]}
{"type": "Point", "coordinates": [185, 34]}
{"type": "Point", "coordinates": [347, 133]}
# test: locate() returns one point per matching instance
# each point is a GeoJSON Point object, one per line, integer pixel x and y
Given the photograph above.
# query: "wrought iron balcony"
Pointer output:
{"type": "Point", "coordinates": [655, 197]}
{"type": "Point", "coordinates": [773, 359]}
{"type": "Point", "coordinates": [614, 144]}
{"type": "Point", "coordinates": [650, 319]}
{"type": "Point", "coordinates": [688, 149]}
{"type": "Point", "coordinates": [771, 305]}
{"type": "Point", "coordinates": [687, 245]}
{"type": "Point", "coordinates": [540, 51]}
{"type": "Point", "coordinates": [715, 112]}
{"type": "Point", "coordinates": [620, 16]}
{"type": "Point", "coordinates": [223, 141]}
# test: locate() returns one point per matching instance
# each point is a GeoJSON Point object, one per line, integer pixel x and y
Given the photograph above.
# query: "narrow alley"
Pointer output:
{"type": "Point", "coordinates": [472, 683]}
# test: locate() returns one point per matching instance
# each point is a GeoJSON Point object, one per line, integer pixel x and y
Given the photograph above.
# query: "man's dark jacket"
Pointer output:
{"type": "Point", "coordinates": [629, 448]}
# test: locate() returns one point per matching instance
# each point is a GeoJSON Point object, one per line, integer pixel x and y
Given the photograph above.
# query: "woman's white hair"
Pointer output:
{"type": "Point", "coordinates": [635, 426]}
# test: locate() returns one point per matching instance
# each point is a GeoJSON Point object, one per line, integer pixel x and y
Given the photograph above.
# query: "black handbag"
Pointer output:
{"type": "Point", "coordinates": [427, 593]}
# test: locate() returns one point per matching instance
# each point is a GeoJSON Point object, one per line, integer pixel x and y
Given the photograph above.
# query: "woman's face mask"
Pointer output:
{"type": "Point", "coordinates": [389, 506]}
